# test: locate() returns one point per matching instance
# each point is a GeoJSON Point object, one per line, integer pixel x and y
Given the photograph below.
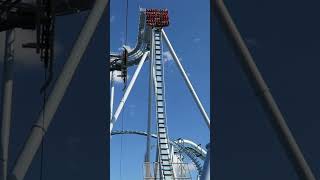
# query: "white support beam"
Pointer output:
{"type": "Point", "coordinates": [206, 167]}
{"type": "Point", "coordinates": [187, 81]}
{"type": "Point", "coordinates": [112, 93]}
{"type": "Point", "coordinates": [149, 123]}
{"type": "Point", "coordinates": [127, 92]}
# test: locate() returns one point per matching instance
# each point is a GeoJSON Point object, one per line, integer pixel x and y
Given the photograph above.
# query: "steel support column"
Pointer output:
{"type": "Point", "coordinates": [206, 166]}
{"type": "Point", "coordinates": [6, 100]}
{"type": "Point", "coordinates": [112, 93]}
{"type": "Point", "coordinates": [149, 123]}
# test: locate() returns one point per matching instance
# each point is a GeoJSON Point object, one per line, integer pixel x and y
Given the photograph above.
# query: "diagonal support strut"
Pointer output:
{"type": "Point", "coordinates": [187, 81]}
{"type": "Point", "coordinates": [277, 120]}
{"type": "Point", "coordinates": [40, 127]}
{"type": "Point", "coordinates": [128, 90]}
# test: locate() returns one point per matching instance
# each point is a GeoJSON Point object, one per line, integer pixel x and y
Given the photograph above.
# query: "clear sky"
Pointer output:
{"type": "Point", "coordinates": [189, 35]}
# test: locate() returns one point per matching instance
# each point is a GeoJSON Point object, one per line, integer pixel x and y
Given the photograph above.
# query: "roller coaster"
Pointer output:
{"type": "Point", "coordinates": [40, 15]}
{"type": "Point", "coordinates": [169, 162]}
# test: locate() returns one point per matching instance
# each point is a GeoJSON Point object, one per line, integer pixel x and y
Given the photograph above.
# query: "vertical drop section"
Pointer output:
{"type": "Point", "coordinates": [163, 145]}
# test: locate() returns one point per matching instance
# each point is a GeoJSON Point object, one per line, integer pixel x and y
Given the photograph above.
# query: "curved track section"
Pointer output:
{"type": "Point", "coordinates": [195, 148]}
{"type": "Point", "coordinates": [189, 148]}
{"type": "Point", "coordinates": [143, 44]}
{"type": "Point", "coordinates": [161, 117]}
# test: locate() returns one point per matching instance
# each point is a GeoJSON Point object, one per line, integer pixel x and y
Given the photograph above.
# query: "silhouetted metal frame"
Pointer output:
{"type": "Point", "coordinates": [6, 100]}
{"type": "Point", "coordinates": [277, 120]}
{"type": "Point", "coordinates": [40, 127]}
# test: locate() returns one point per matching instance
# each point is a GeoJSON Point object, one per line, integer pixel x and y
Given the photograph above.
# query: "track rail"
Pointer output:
{"type": "Point", "coordinates": [187, 147]}
{"type": "Point", "coordinates": [163, 145]}
{"type": "Point", "coordinates": [142, 45]}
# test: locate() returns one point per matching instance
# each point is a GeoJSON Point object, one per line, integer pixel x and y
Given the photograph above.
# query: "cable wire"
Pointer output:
{"type": "Point", "coordinates": [121, 141]}
{"type": "Point", "coordinates": [43, 116]}
{"type": "Point", "coordinates": [126, 43]}
{"type": "Point", "coordinates": [126, 27]}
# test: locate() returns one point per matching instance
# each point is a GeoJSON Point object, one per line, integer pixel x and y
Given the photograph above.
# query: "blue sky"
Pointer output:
{"type": "Point", "coordinates": [189, 35]}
